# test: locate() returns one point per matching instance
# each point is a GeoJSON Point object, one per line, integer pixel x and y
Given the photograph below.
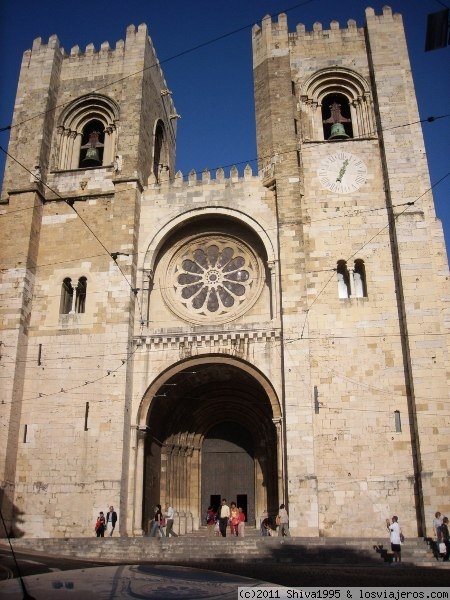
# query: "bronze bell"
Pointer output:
{"type": "Point", "coordinates": [338, 132]}
{"type": "Point", "coordinates": [92, 158]}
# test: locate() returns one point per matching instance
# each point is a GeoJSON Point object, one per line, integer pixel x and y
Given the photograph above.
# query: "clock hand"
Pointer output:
{"type": "Point", "coordinates": [342, 171]}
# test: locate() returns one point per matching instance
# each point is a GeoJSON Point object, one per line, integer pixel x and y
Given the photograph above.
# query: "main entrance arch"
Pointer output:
{"type": "Point", "coordinates": [202, 418]}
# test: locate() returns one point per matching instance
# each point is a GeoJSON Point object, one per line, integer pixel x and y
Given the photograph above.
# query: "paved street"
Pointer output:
{"type": "Point", "coordinates": [327, 575]}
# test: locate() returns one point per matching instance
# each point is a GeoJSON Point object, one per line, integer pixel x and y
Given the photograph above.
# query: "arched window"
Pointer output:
{"type": "Point", "coordinates": [87, 133]}
{"type": "Point", "coordinates": [359, 277]}
{"type": "Point", "coordinates": [92, 144]}
{"type": "Point", "coordinates": [73, 300]}
{"type": "Point", "coordinates": [80, 299]}
{"type": "Point", "coordinates": [160, 152]}
{"type": "Point", "coordinates": [336, 96]}
{"type": "Point", "coordinates": [343, 278]}
{"type": "Point", "coordinates": [66, 297]}
{"type": "Point", "coordinates": [351, 282]}
{"type": "Point", "coordinates": [336, 117]}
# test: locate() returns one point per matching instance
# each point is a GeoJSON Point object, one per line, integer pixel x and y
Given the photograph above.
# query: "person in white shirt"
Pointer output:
{"type": "Point", "coordinates": [224, 516]}
{"type": "Point", "coordinates": [395, 533]}
{"type": "Point", "coordinates": [169, 521]}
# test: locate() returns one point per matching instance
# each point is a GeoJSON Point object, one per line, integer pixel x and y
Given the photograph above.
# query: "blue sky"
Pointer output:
{"type": "Point", "coordinates": [213, 86]}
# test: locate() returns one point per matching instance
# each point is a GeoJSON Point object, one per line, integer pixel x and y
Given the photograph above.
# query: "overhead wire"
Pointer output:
{"type": "Point", "coordinates": [70, 203]}
{"type": "Point", "coordinates": [158, 63]}
{"type": "Point", "coordinates": [395, 217]}
{"type": "Point", "coordinates": [429, 119]}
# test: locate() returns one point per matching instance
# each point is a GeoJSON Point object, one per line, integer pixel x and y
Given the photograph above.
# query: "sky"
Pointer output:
{"type": "Point", "coordinates": [213, 85]}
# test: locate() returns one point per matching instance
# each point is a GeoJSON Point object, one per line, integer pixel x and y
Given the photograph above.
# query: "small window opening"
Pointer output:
{"type": "Point", "coordinates": [80, 299]}
{"type": "Point", "coordinates": [343, 277]}
{"type": "Point", "coordinates": [92, 144]}
{"type": "Point", "coordinates": [159, 143]}
{"type": "Point", "coordinates": [86, 416]}
{"type": "Point", "coordinates": [336, 117]}
{"type": "Point", "coordinates": [359, 277]}
{"type": "Point", "coordinates": [293, 87]}
{"type": "Point", "coordinates": [66, 296]}
{"type": "Point", "coordinates": [398, 421]}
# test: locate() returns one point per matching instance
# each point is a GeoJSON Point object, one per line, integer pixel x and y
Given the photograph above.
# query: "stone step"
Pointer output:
{"type": "Point", "coordinates": [197, 547]}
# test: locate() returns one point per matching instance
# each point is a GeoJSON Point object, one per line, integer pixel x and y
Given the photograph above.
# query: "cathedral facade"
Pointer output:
{"type": "Point", "coordinates": [270, 337]}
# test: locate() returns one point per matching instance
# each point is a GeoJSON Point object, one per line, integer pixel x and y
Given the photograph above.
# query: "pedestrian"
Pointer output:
{"type": "Point", "coordinates": [234, 519]}
{"type": "Point", "coordinates": [169, 521]}
{"type": "Point", "coordinates": [100, 525]}
{"type": "Point", "coordinates": [241, 526]}
{"type": "Point", "coordinates": [157, 522]}
{"type": "Point", "coordinates": [395, 535]}
{"type": "Point", "coordinates": [266, 529]}
{"type": "Point", "coordinates": [445, 537]}
{"type": "Point", "coordinates": [210, 520]}
{"type": "Point", "coordinates": [283, 522]}
{"type": "Point", "coordinates": [224, 515]}
{"type": "Point", "coordinates": [437, 524]}
{"type": "Point", "coordinates": [111, 520]}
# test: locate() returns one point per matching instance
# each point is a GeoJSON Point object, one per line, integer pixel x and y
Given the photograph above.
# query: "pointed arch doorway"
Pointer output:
{"type": "Point", "coordinates": [212, 428]}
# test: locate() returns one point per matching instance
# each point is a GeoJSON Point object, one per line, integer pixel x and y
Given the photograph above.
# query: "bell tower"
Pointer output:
{"type": "Point", "coordinates": [363, 272]}
{"type": "Point", "coordinates": [90, 130]}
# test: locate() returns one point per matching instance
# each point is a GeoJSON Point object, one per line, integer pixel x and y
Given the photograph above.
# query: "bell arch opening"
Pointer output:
{"type": "Point", "coordinates": [211, 431]}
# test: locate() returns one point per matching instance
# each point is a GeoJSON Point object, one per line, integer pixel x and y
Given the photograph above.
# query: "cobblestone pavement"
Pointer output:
{"type": "Point", "coordinates": [385, 575]}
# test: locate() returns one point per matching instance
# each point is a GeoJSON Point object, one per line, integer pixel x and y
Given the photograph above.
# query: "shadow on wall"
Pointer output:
{"type": "Point", "coordinates": [11, 518]}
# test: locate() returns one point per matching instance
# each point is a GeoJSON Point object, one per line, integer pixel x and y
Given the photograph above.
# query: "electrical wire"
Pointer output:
{"type": "Point", "coordinates": [158, 63]}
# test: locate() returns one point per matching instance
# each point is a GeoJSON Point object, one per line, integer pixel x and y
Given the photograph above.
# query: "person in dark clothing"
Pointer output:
{"type": "Point", "coordinates": [111, 520]}
{"type": "Point", "coordinates": [100, 525]}
{"type": "Point", "coordinates": [158, 522]}
{"type": "Point", "coordinates": [445, 537]}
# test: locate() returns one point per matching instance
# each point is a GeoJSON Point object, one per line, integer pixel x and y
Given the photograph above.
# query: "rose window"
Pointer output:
{"type": "Point", "coordinates": [213, 279]}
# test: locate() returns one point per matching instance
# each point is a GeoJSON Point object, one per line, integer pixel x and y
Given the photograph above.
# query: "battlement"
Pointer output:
{"type": "Point", "coordinates": [192, 179]}
{"type": "Point", "coordinates": [135, 36]}
{"type": "Point", "coordinates": [274, 35]}
{"type": "Point", "coordinates": [136, 54]}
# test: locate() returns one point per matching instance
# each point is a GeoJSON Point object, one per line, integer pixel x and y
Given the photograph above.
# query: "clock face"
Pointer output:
{"type": "Point", "coordinates": [342, 173]}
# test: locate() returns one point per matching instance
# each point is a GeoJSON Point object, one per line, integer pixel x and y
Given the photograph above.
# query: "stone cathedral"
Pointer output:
{"type": "Point", "coordinates": [270, 337]}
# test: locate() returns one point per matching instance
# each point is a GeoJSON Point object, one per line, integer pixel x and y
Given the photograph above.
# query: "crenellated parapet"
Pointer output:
{"type": "Point", "coordinates": [205, 178]}
{"type": "Point", "coordinates": [104, 57]}
{"type": "Point", "coordinates": [119, 88]}
{"type": "Point", "coordinates": [273, 39]}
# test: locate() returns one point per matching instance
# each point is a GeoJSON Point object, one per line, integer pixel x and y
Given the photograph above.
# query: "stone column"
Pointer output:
{"type": "Point", "coordinates": [351, 276]}
{"type": "Point", "coordinates": [280, 458]}
{"type": "Point", "coordinates": [273, 289]}
{"type": "Point", "coordinates": [139, 481]}
{"type": "Point", "coordinates": [147, 286]}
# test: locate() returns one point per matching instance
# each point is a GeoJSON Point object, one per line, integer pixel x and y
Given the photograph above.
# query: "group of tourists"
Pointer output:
{"type": "Point", "coordinates": [225, 516]}
{"type": "Point", "coordinates": [441, 533]}
{"type": "Point", "coordinates": [163, 522]}
{"type": "Point", "coordinates": [106, 524]}
{"type": "Point", "coordinates": [280, 527]}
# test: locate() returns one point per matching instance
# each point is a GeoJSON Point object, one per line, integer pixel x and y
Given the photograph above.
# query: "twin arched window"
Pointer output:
{"type": "Point", "coordinates": [73, 299]}
{"type": "Point", "coordinates": [352, 281]}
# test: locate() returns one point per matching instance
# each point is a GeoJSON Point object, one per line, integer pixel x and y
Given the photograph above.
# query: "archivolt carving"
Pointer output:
{"type": "Point", "coordinates": [336, 81]}
{"type": "Point", "coordinates": [72, 122]}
